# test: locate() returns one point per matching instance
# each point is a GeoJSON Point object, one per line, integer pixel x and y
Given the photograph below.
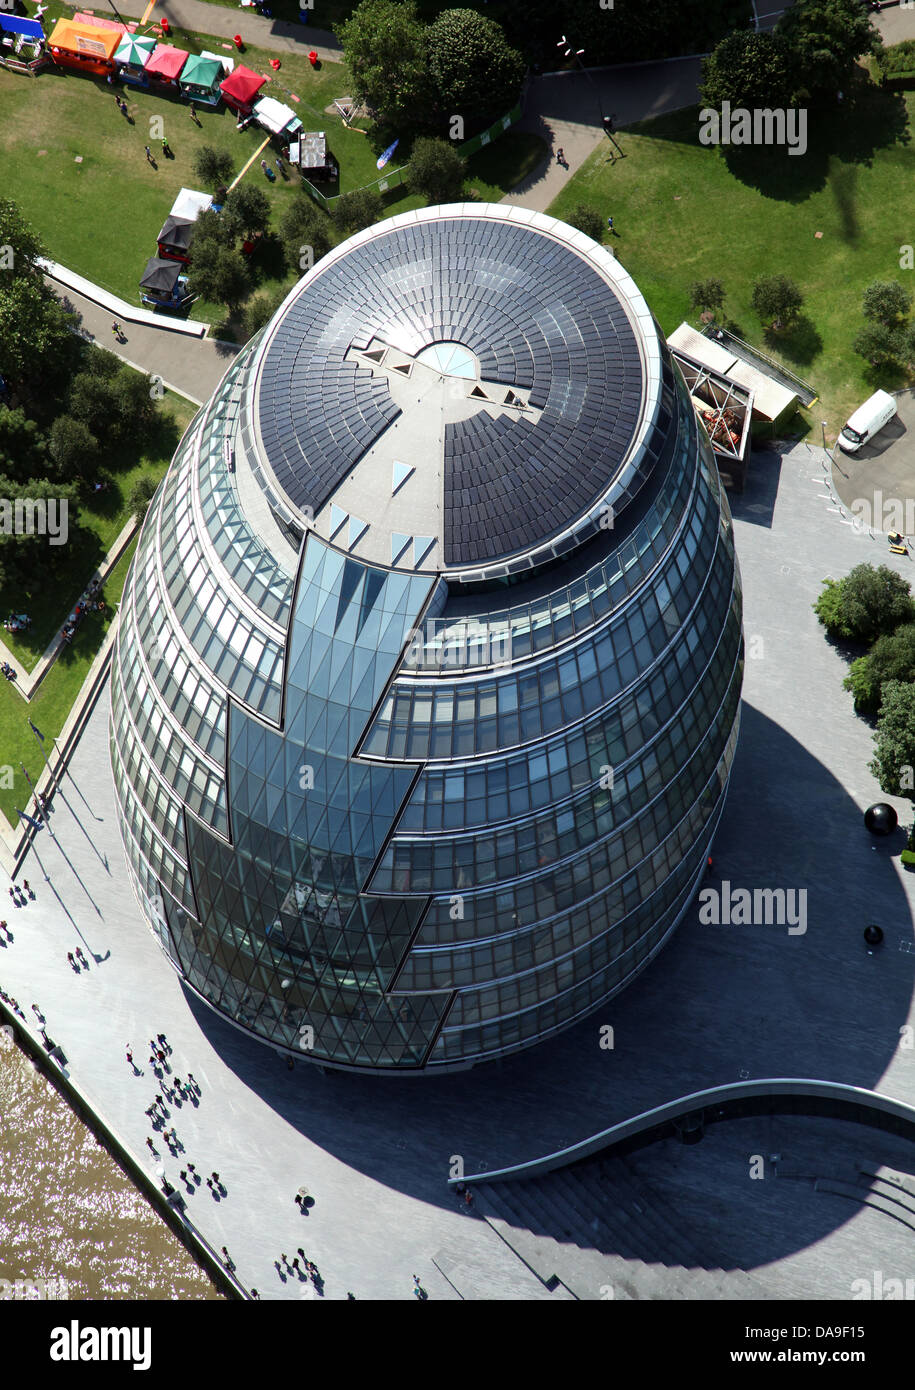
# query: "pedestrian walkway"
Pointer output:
{"type": "Point", "coordinates": [567, 109]}
{"type": "Point", "coordinates": [119, 307]}
{"type": "Point", "coordinates": [192, 367]}
{"type": "Point", "coordinates": [197, 17]}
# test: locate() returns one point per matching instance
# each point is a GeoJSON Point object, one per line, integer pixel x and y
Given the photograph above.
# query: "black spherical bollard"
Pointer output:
{"type": "Point", "coordinates": [873, 934]}
{"type": "Point", "coordinates": [881, 819]}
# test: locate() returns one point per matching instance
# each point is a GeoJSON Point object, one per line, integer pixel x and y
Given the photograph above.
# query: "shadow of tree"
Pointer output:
{"type": "Point", "coordinates": [869, 119]}
{"type": "Point", "coordinates": [799, 342]}
{"type": "Point", "coordinates": [843, 184]}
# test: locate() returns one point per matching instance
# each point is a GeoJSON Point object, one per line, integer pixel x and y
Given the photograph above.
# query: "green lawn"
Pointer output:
{"type": "Point", "coordinates": [100, 216]}
{"type": "Point", "coordinates": [685, 212]}
{"type": "Point", "coordinates": [101, 520]}
{"type": "Point", "coordinates": [51, 705]}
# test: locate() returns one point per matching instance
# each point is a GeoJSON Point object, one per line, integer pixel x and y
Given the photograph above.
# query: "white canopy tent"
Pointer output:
{"type": "Point", "coordinates": [275, 117]}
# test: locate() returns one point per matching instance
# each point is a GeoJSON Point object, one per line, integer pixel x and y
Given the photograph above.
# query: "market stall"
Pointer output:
{"type": "Point", "coordinates": [22, 44]}
{"type": "Point", "coordinates": [278, 119]}
{"type": "Point", "coordinates": [311, 155]}
{"type": "Point", "coordinates": [164, 67]}
{"type": "Point", "coordinates": [83, 47]}
{"type": "Point", "coordinates": [240, 89]}
{"type": "Point", "coordinates": [131, 57]}
{"type": "Point", "coordinates": [163, 286]}
{"type": "Point", "coordinates": [200, 79]}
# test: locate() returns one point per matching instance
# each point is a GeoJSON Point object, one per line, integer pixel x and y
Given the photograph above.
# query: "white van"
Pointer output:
{"type": "Point", "coordinates": [866, 421]}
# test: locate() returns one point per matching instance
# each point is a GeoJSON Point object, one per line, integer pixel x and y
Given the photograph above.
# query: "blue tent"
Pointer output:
{"type": "Point", "coordinates": [12, 24]}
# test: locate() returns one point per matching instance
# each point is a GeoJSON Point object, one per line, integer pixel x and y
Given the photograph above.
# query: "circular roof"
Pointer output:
{"type": "Point", "coordinates": [454, 388]}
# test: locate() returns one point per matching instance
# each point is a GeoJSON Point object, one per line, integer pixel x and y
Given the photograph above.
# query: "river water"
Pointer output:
{"type": "Point", "coordinates": [71, 1223]}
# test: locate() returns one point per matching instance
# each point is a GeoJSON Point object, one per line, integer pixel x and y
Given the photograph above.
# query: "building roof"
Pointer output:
{"type": "Point", "coordinates": [242, 85]}
{"type": "Point", "coordinates": [89, 40]}
{"type": "Point", "coordinates": [462, 388]}
{"type": "Point", "coordinates": [167, 61]}
{"type": "Point", "coordinates": [200, 71]}
{"type": "Point", "coordinates": [770, 397]}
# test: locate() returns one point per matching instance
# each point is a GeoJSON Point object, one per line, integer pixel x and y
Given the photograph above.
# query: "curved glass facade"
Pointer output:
{"type": "Point", "coordinates": [405, 815]}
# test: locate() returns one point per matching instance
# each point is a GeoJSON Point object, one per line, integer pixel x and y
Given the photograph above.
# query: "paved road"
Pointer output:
{"type": "Point", "coordinates": [192, 366]}
{"type": "Point", "coordinates": [567, 109]}
{"type": "Point", "coordinates": [200, 18]}
{"type": "Point", "coordinates": [719, 1002]}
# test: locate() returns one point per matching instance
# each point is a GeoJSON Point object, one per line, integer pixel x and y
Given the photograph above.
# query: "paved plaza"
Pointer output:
{"type": "Point", "coordinates": [719, 1003]}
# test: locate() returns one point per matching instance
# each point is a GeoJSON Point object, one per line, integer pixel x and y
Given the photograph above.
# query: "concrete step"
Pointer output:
{"type": "Point", "coordinates": [869, 1198]}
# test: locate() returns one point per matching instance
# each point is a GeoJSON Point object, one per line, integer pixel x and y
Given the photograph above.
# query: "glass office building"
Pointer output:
{"type": "Point", "coordinates": [425, 694]}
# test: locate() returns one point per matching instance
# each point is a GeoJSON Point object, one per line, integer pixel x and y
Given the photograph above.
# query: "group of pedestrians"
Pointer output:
{"type": "Point", "coordinates": [18, 894]}
{"type": "Point", "coordinates": [77, 960]}
{"type": "Point", "coordinates": [301, 1266]}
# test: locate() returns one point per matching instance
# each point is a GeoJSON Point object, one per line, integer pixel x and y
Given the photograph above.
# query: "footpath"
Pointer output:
{"type": "Point", "coordinates": [197, 17]}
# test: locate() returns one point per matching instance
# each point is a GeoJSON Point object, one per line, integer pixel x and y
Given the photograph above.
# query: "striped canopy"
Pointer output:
{"type": "Point", "coordinates": [135, 51]}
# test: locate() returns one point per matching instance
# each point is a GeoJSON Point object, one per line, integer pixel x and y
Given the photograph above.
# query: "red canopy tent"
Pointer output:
{"type": "Point", "coordinates": [166, 63]}
{"type": "Point", "coordinates": [240, 89]}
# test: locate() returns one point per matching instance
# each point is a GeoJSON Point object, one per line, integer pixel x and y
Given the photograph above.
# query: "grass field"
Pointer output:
{"type": "Point", "coordinates": [685, 212]}
{"type": "Point", "coordinates": [79, 172]}
{"type": "Point", "coordinates": [53, 701]}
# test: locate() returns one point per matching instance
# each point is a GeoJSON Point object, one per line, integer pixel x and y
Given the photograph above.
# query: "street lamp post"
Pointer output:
{"type": "Point", "coordinates": [605, 120]}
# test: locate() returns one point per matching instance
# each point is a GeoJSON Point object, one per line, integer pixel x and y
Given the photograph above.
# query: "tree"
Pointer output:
{"type": "Point", "coordinates": [246, 210]}
{"type": "Point", "coordinates": [23, 446]}
{"type": "Point", "coordinates": [749, 71]}
{"type": "Point", "coordinates": [475, 71]}
{"type": "Point", "coordinates": [892, 658]}
{"type": "Point", "coordinates": [887, 302]}
{"type": "Point", "coordinates": [220, 274]}
{"type": "Point", "coordinates": [865, 604]}
{"type": "Point", "coordinates": [436, 171]}
{"type": "Point", "coordinates": [357, 210]}
{"type": "Point", "coordinates": [72, 445]}
{"type": "Point", "coordinates": [826, 38]}
{"type": "Point", "coordinates": [25, 246]}
{"type": "Point", "coordinates": [306, 233]}
{"type": "Point", "coordinates": [260, 309]}
{"type": "Point", "coordinates": [587, 220]}
{"type": "Point", "coordinates": [141, 494]}
{"type": "Point", "coordinates": [213, 167]}
{"type": "Point", "coordinates": [37, 349]}
{"type": "Point", "coordinates": [878, 343]}
{"type": "Point", "coordinates": [133, 407]}
{"type": "Point", "coordinates": [894, 741]}
{"type": "Point", "coordinates": [706, 295]}
{"type": "Point", "coordinates": [776, 299]}
{"type": "Point", "coordinates": [384, 47]}
{"type": "Point", "coordinates": [24, 555]}
{"type": "Point", "coordinates": [211, 228]}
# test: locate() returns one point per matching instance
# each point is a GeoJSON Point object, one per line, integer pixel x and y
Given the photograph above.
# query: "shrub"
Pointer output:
{"type": "Point", "coordinates": [357, 210]}
{"type": "Point", "coordinates": [865, 604]}
{"type": "Point", "coordinates": [436, 171]}
{"type": "Point", "coordinates": [587, 220]}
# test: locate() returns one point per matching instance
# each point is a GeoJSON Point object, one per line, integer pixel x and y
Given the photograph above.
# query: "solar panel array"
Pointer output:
{"type": "Point", "coordinates": [536, 315]}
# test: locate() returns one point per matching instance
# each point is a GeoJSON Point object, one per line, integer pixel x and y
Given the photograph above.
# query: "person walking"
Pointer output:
{"type": "Point", "coordinates": [129, 1055]}
{"type": "Point", "coordinates": [560, 156]}
{"type": "Point", "coordinates": [116, 331]}
{"type": "Point", "coordinates": [194, 117]}
{"type": "Point", "coordinates": [149, 158]}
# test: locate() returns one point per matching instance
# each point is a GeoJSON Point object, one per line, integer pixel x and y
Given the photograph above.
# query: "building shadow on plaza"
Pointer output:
{"type": "Point", "coordinates": [720, 1004]}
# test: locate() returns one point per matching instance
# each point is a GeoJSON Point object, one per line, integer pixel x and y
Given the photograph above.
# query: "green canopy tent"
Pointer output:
{"type": "Point", "coordinates": [200, 79]}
